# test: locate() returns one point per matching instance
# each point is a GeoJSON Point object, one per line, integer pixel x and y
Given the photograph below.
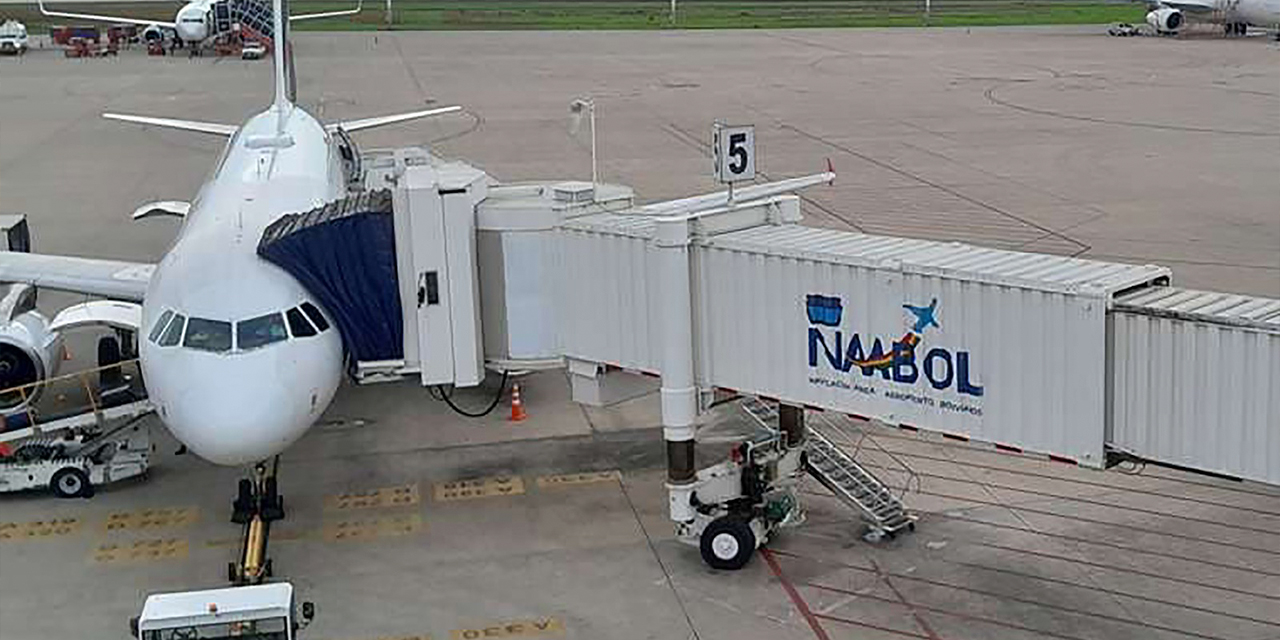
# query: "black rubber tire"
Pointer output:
{"type": "Point", "coordinates": [744, 543]}
{"type": "Point", "coordinates": [69, 483]}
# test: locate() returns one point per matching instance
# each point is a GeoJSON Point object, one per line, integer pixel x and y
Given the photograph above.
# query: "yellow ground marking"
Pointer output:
{"type": "Point", "coordinates": [401, 496]}
{"type": "Point", "coordinates": [369, 528]}
{"type": "Point", "coordinates": [151, 518]}
{"type": "Point", "coordinates": [569, 479]}
{"type": "Point", "coordinates": [141, 551]}
{"type": "Point", "coordinates": [479, 488]}
{"type": "Point", "coordinates": [14, 531]}
{"type": "Point", "coordinates": [534, 627]}
{"type": "Point", "coordinates": [417, 637]}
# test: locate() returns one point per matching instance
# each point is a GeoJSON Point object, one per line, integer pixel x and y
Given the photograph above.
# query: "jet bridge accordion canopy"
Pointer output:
{"type": "Point", "coordinates": [344, 253]}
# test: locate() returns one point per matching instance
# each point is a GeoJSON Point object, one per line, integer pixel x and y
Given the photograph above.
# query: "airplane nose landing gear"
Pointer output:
{"type": "Point", "coordinates": [258, 503]}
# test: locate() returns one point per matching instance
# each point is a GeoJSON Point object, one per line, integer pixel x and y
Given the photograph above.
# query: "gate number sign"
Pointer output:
{"type": "Point", "coordinates": [735, 153]}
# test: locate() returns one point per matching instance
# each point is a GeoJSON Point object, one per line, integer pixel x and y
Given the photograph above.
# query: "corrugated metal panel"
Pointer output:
{"type": "Point", "coordinates": [1211, 306]}
{"type": "Point", "coordinates": [1196, 379]}
{"type": "Point", "coordinates": [947, 259]}
{"type": "Point", "coordinates": [1010, 365]}
{"type": "Point", "coordinates": [606, 297]}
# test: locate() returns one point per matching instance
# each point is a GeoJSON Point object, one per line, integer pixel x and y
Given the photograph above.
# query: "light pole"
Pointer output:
{"type": "Point", "coordinates": [576, 108]}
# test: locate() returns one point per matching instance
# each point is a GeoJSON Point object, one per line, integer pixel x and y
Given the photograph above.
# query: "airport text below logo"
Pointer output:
{"type": "Point", "coordinates": [939, 367]}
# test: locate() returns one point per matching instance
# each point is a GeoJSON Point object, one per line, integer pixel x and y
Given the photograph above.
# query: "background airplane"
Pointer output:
{"type": "Point", "coordinates": [192, 24]}
{"type": "Point", "coordinates": [1236, 16]}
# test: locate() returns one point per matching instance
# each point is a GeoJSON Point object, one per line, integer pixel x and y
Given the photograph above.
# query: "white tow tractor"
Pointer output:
{"type": "Point", "coordinates": [257, 612]}
{"type": "Point", "coordinates": [72, 464]}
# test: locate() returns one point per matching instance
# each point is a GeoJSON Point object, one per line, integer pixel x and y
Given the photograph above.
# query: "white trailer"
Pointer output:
{"type": "Point", "coordinates": [257, 611]}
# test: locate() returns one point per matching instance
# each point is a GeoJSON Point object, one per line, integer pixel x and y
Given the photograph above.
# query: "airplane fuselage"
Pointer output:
{"type": "Point", "coordinates": [243, 380]}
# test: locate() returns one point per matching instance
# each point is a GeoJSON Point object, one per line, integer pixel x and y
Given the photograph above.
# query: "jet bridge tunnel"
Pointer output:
{"type": "Point", "coordinates": [437, 271]}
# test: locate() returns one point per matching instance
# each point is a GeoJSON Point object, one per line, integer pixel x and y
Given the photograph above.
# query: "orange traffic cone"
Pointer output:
{"type": "Point", "coordinates": [517, 405]}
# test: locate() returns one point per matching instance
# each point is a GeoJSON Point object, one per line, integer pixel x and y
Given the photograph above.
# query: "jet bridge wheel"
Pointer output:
{"type": "Point", "coordinates": [71, 483]}
{"type": "Point", "coordinates": [727, 543]}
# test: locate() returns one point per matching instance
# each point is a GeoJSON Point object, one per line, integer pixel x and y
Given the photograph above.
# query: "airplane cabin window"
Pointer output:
{"type": "Point", "coordinates": [298, 324]}
{"type": "Point", "coordinates": [317, 318]}
{"type": "Point", "coordinates": [260, 331]}
{"type": "Point", "coordinates": [208, 335]}
{"type": "Point", "coordinates": [173, 334]}
{"type": "Point", "coordinates": [160, 324]}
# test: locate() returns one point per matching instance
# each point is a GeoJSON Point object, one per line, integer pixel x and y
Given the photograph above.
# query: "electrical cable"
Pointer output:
{"type": "Point", "coordinates": [448, 399]}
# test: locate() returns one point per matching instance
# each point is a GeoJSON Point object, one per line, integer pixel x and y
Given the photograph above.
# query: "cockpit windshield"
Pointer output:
{"type": "Point", "coordinates": [208, 335]}
{"type": "Point", "coordinates": [261, 331]}
{"type": "Point", "coordinates": [203, 334]}
{"type": "Point", "coordinates": [173, 334]}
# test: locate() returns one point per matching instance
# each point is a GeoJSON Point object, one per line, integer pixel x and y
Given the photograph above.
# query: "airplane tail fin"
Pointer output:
{"type": "Point", "coordinates": [286, 81]}
{"type": "Point", "coordinates": [286, 77]}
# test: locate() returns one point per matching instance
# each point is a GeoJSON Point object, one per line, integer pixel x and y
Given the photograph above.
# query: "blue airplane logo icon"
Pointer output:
{"type": "Point", "coordinates": [924, 316]}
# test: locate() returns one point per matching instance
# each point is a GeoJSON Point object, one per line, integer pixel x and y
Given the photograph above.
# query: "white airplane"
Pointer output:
{"type": "Point", "coordinates": [237, 357]}
{"type": "Point", "coordinates": [1236, 16]}
{"type": "Point", "coordinates": [192, 24]}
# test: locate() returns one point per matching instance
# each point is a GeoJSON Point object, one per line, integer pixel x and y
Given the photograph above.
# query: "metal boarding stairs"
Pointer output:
{"type": "Point", "coordinates": [253, 16]}
{"type": "Point", "coordinates": [883, 512]}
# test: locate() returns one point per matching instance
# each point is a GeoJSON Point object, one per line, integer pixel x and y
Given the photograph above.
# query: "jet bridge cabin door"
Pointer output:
{"type": "Point", "coordinates": [439, 287]}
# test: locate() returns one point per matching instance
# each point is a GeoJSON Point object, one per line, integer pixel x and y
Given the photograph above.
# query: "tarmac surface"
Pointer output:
{"type": "Point", "coordinates": [408, 522]}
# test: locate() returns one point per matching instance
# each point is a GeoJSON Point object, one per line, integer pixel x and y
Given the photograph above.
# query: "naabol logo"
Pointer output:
{"type": "Point", "coordinates": [830, 347]}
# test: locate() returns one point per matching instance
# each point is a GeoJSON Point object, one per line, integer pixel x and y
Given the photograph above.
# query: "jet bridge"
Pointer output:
{"type": "Point", "coordinates": [438, 271]}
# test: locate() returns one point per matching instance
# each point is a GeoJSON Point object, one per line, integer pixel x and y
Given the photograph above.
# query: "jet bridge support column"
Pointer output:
{"type": "Point", "coordinates": [679, 396]}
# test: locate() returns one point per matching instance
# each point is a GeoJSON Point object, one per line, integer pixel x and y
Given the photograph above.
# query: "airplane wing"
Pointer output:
{"type": "Point", "coordinates": [378, 121]}
{"type": "Point", "coordinates": [328, 14]}
{"type": "Point", "coordinates": [113, 279]}
{"type": "Point", "coordinates": [101, 18]}
{"type": "Point", "coordinates": [185, 125]}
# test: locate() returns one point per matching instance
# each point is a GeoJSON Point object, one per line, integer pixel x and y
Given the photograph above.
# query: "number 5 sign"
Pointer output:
{"type": "Point", "coordinates": [735, 153]}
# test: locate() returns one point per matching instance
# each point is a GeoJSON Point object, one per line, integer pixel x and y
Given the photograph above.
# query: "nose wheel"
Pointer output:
{"type": "Point", "coordinates": [259, 495]}
{"type": "Point", "coordinates": [258, 503]}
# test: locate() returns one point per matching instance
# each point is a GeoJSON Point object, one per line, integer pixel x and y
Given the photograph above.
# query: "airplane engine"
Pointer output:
{"type": "Point", "coordinates": [153, 32]}
{"type": "Point", "coordinates": [1166, 20]}
{"type": "Point", "coordinates": [29, 350]}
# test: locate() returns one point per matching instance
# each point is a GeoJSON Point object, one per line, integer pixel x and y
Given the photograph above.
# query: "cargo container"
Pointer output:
{"type": "Point", "coordinates": [60, 34]}
{"type": "Point", "coordinates": [88, 32]}
{"type": "Point", "coordinates": [1195, 379]}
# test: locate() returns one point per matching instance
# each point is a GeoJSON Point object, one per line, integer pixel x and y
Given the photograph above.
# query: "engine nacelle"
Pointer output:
{"type": "Point", "coordinates": [29, 350]}
{"type": "Point", "coordinates": [1166, 20]}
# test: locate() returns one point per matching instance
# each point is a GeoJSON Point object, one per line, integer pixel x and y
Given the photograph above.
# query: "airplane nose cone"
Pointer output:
{"type": "Point", "coordinates": [191, 32]}
{"type": "Point", "coordinates": [247, 408]}
{"type": "Point", "coordinates": [242, 422]}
